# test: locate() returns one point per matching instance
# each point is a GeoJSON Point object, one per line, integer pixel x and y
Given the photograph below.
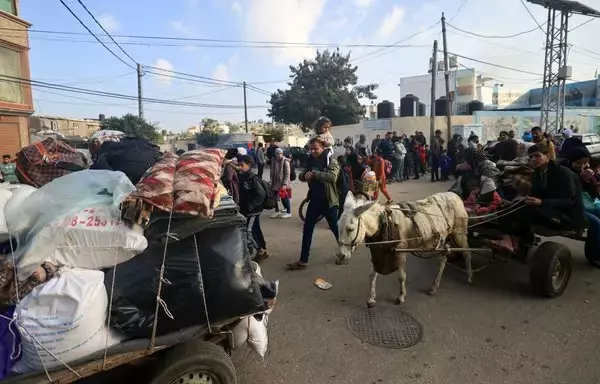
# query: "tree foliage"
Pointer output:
{"type": "Point", "coordinates": [207, 138]}
{"type": "Point", "coordinates": [274, 134]}
{"type": "Point", "coordinates": [132, 126]}
{"type": "Point", "coordinates": [325, 86]}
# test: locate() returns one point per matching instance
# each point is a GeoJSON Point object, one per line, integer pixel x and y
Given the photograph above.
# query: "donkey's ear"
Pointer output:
{"type": "Point", "coordinates": [363, 208]}
{"type": "Point", "coordinates": [349, 203]}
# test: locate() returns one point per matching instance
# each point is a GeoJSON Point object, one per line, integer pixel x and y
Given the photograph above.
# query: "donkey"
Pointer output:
{"type": "Point", "coordinates": [424, 224]}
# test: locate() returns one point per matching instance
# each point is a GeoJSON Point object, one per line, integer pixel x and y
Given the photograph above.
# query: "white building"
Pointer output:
{"type": "Point", "coordinates": [466, 85]}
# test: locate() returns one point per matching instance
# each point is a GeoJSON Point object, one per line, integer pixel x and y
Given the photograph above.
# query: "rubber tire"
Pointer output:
{"type": "Point", "coordinates": [196, 356]}
{"type": "Point", "coordinates": [301, 211]}
{"type": "Point", "coordinates": [540, 268]}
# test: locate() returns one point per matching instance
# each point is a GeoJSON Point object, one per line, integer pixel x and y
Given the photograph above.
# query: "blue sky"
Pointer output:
{"type": "Point", "coordinates": [89, 65]}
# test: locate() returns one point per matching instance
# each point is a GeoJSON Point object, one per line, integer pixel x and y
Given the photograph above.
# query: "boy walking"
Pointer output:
{"type": "Point", "coordinates": [252, 200]}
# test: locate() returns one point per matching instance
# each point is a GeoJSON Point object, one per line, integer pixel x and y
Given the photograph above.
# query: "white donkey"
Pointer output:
{"type": "Point", "coordinates": [424, 224]}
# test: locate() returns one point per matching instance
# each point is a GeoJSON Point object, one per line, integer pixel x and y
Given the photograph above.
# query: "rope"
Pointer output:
{"type": "Point", "coordinates": [160, 282]}
{"type": "Point", "coordinates": [202, 285]}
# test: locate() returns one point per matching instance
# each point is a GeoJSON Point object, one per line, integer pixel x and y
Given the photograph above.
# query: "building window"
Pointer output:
{"type": "Point", "coordinates": [75, 125]}
{"type": "Point", "coordinates": [54, 125]}
{"type": "Point", "coordinates": [10, 65]}
{"type": "Point", "coordinates": [8, 6]}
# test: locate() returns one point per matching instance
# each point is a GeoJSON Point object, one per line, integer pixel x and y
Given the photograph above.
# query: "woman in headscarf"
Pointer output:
{"type": "Point", "coordinates": [569, 144]}
{"type": "Point", "coordinates": [229, 177]}
{"type": "Point", "coordinates": [579, 158]}
{"type": "Point", "coordinates": [280, 180]}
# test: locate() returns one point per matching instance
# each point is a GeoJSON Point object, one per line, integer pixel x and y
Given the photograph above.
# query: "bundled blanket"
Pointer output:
{"type": "Point", "coordinates": [186, 184]}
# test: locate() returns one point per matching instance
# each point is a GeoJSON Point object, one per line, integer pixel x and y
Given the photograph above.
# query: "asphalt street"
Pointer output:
{"type": "Point", "coordinates": [494, 331]}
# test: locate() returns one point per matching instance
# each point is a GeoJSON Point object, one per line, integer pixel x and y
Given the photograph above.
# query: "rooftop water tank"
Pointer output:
{"type": "Point", "coordinates": [440, 106]}
{"type": "Point", "coordinates": [385, 110]}
{"type": "Point", "coordinates": [409, 105]}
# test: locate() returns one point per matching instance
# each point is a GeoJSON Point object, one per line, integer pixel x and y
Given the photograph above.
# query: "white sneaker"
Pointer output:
{"type": "Point", "coordinates": [286, 216]}
{"type": "Point", "coordinates": [276, 215]}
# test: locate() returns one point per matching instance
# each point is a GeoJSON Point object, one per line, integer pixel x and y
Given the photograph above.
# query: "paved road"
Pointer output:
{"type": "Point", "coordinates": [492, 332]}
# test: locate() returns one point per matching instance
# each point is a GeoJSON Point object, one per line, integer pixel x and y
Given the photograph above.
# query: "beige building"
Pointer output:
{"type": "Point", "coordinates": [69, 127]}
{"type": "Point", "coordinates": [16, 102]}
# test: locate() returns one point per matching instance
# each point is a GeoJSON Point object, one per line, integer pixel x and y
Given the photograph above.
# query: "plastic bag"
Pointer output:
{"type": "Point", "coordinates": [65, 318]}
{"type": "Point", "coordinates": [12, 208]}
{"type": "Point", "coordinates": [10, 342]}
{"type": "Point", "coordinates": [5, 196]}
{"type": "Point", "coordinates": [227, 275]}
{"type": "Point", "coordinates": [59, 199]}
{"type": "Point", "coordinates": [257, 333]}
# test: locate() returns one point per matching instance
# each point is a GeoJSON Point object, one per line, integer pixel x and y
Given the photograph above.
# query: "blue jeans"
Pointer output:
{"type": "Point", "coordinates": [398, 169]}
{"type": "Point", "coordinates": [286, 204]}
{"type": "Point", "coordinates": [314, 210]}
{"type": "Point", "coordinates": [592, 243]}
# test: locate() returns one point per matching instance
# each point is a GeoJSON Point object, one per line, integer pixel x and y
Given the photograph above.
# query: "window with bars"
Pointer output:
{"type": "Point", "coordinates": [8, 6]}
{"type": "Point", "coordinates": [10, 65]}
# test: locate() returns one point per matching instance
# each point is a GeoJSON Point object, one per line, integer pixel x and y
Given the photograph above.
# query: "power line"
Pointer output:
{"type": "Point", "coordinates": [459, 9]}
{"type": "Point", "coordinates": [582, 24]}
{"type": "Point", "coordinates": [238, 43]}
{"type": "Point", "coordinates": [96, 37]}
{"type": "Point", "coordinates": [494, 65]}
{"type": "Point", "coordinates": [493, 36]}
{"type": "Point", "coordinates": [533, 17]}
{"type": "Point", "coordinates": [18, 80]}
{"type": "Point", "coordinates": [105, 31]}
{"type": "Point", "coordinates": [258, 90]}
{"type": "Point", "coordinates": [207, 93]}
{"type": "Point", "coordinates": [396, 43]}
{"type": "Point", "coordinates": [214, 81]}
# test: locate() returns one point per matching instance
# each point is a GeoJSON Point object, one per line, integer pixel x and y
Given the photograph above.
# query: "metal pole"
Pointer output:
{"type": "Point", "coordinates": [139, 79]}
{"type": "Point", "coordinates": [245, 109]}
{"type": "Point", "coordinates": [447, 79]}
{"type": "Point", "coordinates": [433, 87]}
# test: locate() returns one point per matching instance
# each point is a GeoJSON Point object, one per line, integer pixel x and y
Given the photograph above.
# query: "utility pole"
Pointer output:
{"type": "Point", "coordinates": [139, 79]}
{"type": "Point", "coordinates": [433, 81]}
{"type": "Point", "coordinates": [447, 79]}
{"type": "Point", "coordinates": [245, 109]}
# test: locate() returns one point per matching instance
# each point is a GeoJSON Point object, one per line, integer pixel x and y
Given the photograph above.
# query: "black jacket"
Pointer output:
{"type": "Point", "coordinates": [560, 191]}
{"type": "Point", "coordinates": [506, 150]}
{"type": "Point", "coordinates": [252, 194]}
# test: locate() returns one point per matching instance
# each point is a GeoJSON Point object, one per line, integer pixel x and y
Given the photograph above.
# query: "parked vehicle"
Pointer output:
{"type": "Point", "coordinates": [298, 155]}
{"type": "Point", "coordinates": [590, 140]}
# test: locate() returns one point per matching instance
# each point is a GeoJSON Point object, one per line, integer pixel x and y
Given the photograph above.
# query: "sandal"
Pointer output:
{"type": "Point", "coordinates": [260, 257]}
{"type": "Point", "coordinates": [296, 266]}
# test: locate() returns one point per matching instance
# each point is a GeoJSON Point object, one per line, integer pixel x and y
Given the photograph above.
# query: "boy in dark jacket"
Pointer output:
{"type": "Point", "coordinates": [252, 199]}
{"type": "Point", "coordinates": [444, 163]}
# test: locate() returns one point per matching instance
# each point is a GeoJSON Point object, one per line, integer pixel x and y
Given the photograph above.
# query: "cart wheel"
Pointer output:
{"type": "Point", "coordinates": [301, 209]}
{"type": "Point", "coordinates": [550, 269]}
{"type": "Point", "coordinates": [196, 362]}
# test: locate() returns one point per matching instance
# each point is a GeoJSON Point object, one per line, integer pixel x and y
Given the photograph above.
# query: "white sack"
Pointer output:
{"type": "Point", "coordinates": [12, 209]}
{"type": "Point", "coordinates": [94, 238]}
{"type": "Point", "coordinates": [257, 334]}
{"type": "Point", "coordinates": [67, 316]}
{"type": "Point", "coordinates": [5, 195]}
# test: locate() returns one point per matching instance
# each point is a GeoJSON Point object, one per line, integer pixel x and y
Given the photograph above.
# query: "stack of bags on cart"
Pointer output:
{"type": "Point", "coordinates": [81, 259]}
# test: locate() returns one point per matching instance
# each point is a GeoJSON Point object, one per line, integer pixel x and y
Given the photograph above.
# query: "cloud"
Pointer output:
{"type": "Point", "coordinates": [236, 7]}
{"type": "Point", "coordinates": [162, 68]}
{"type": "Point", "coordinates": [109, 22]}
{"type": "Point", "coordinates": [338, 22]}
{"type": "Point", "coordinates": [290, 21]}
{"type": "Point", "coordinates": [391, 22]}
{"type": "Point", "coordinates": [222, 70]}
{"type": "Point", "coordinates": [182, 29]}
{"type": "Point", "coordinates": [363, 3]}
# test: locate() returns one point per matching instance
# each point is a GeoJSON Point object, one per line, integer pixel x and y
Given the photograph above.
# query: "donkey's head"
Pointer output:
{"type": "Point", "coordinates": [353, 226]}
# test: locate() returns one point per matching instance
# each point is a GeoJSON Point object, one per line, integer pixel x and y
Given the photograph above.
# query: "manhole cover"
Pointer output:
{"type": "Point", "coordinates": [385, 327]}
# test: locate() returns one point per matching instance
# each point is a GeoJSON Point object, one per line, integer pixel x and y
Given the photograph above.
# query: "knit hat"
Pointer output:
{"type": "Point", "coordinates": [278, 151]}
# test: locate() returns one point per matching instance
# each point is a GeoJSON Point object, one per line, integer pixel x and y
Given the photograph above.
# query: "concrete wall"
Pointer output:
{"type": "Point", "coordinates": [65, 126]}
{"type": "Point", "coordinates": [402, 125]}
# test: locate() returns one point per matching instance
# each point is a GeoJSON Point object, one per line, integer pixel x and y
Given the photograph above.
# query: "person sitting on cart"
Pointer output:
{"type": "Point", "coordinates": [252, 199]}
{"type": "Point", "coordinates": [479, 204]}
{"type": "Point", "coordinates": [555, 201]}
{"type": "Point", "coordinates": [321, 175]}
{"type": "Point", "coordinates": [579, 160]}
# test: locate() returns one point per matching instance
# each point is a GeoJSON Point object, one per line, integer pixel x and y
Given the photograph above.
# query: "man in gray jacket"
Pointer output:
{"type": "Point", "coordinates": [260, 159]}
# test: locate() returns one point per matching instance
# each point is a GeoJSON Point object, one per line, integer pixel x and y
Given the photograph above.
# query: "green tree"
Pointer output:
{"type": "Point", "coordinates": [275, 134]}
{"type": "Point", "coordinates": [132, 126]}
{"type": "Point", "coordinates": [207, 138]}
{"type": "Point", "coordinates": [324, 86]}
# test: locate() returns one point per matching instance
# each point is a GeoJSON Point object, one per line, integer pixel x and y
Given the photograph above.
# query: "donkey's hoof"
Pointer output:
{"type": "Point", "coordinates": [399, 300]}
{"type": "Point", "coordinates": [370, 304]}
{"type": "Point", "coordinates": [432, 292]}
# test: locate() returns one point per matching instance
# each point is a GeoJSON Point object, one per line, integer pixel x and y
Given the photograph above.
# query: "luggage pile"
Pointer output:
{"type": "Point", "coordinates": [88, 260]}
